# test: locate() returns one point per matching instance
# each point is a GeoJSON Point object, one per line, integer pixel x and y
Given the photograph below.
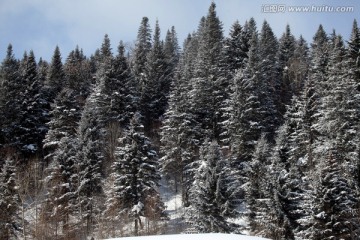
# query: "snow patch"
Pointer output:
{"type": "Point", "coordinates": [206, 236]}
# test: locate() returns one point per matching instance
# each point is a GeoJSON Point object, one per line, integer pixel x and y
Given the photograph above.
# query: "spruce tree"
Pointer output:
{"type": "Point", "coordinates": [9, 201]}
{"type": "Point", "coordinates": [34, 109]}
{"type": "Point", "coordinates": [136, 176]}
{"type": "Point", "coordinates": [10, 98]}
{"type": "Point", "coordinates": [207, 86]}
{"type": "Point", "coordinates": [209, 194]}
{"type": "Point", "coordinates": [142, 48]}
{"type": "Point", "coordinates": [257, 189]}
{"type": "Point", "coordinates": [336, 202]}
{"type": "Point", "coordinates": [269, 85]}
{"type": "Point", "coordinates": [180, 131]}
{"type": "Point", "coordinates": [285, 56]}
{"type": "Point", "coordinates": [56, 76]}
{"type": "Point", "coordinates": [153, 96]}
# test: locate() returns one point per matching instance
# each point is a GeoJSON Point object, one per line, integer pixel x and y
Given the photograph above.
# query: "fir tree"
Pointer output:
{"type": "Point", "coordinates": [136, 175]}
{"type": "Point", "coordinates": [56, 76]}
{"type": "Point", "coordinates": [34, 109]}
{"type": "Point", "coordinates": [142, 48]}
{"type": "Point", "coordinates": [336, 202]}
{"type": "Point", "coordinates": [269, 84]}
{"type": "Point", "coordinates": [209, 194]}
{"type": "Point", "coordinates": [10, 98]}
{"type": "Point", "coordinates": [207, 86]}
{"type": "Point", "coordinates": [257, 188]}
{"type": "Point", "coordinates": [285, 56]}
{"type": "Point", "coordinates": [9, 201]}
{"type": "Point", "coordinates": [153, 96]}
{"type": "Point", "coordinates": [61, 181]}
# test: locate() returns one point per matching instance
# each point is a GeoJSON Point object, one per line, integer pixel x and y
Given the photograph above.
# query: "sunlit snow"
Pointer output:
{"type": "Point", "coordinates": [208, 236]}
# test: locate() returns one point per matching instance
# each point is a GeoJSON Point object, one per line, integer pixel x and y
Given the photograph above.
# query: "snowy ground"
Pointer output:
{"type": "Point", "coordinates": [209, 236]}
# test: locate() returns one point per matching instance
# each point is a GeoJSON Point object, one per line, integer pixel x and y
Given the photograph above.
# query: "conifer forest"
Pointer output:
{"type": "Point", "coordinates": [256, 134]}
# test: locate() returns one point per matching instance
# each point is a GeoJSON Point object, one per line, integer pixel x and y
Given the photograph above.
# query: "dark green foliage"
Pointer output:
{"type": "Point", "coordinates": [212, 199]}
{"type": "Point", "coordinates": [136, 176]}
{"type": "Point", "coordinates": [56, 76]}
{"type": "Point", "coordinates": [9, 201]}
{"type": "Point", "coordinates": [336, 203]}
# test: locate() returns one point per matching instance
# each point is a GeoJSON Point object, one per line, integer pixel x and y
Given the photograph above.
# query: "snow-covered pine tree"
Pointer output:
{"type": "Point", "coordinates": [33, 114]}
{"type": "Point", "coordinates": [235, 51]}
{"type": "Point", "coordinates": [55, 77]}
{"type": "Point", "coordinates": [90, 158]}
{"type": "Point", "coordinates": [245, 121]}
{"type": "Point", "coordinates": [210, 196]}
{"type": "Point", "coordinates": [207, 86]}
{"type": "Point", "coordinates": [136, 176]}
{"type": "Point", "coordinates": [319, 58]}
{"type": "Point", "coordinates": [139, 58]}
{"type": "Point", "coordinates": [9, 201]}
{"type": "Point", "coordinates": [298, 66]}
{"type": "Point", "coordinates": [180, 132]}
{"type": "Point", "coordinates": [234, 58]}
{"type": "Point", "coordinates": [42, 70]}
{"type": "Point", "coordinates": [153, 97]}
{"type": "Point", "coordinates": [257, 193]}
{"type": "Point", "coordinates": [336, 204]}
{"type": "Point", "coordinates": [354, 51]}
{"type": "Point", "coordinates": [67, 106]}
{"type": "Point", "coordinates": [58, 207]}
{"type": "Point", "coordinates": [269, 84]}
{"type": "Point", "coordinates": [171, 53]}
{"type": "Point", "coordinates": [285, 56]}
{"type": "Point", "coordinates": [286, 191]}
{"type": "Point", "coordinates": [10, 97]}
{"type": "Point", "coordinates": [247, 33]}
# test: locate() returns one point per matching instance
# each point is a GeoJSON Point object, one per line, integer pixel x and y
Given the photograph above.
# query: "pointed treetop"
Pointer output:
{"type": "Point", "coordinates": [235, 30]}
{"type": "Point", "coordinates": [320, 37]}
{"type": "Point", "coordinates": [106, 47]}
{"type": "Point", "coordinates": [9, 52]}
{"type": "Point", "coordinates": [121, 49]}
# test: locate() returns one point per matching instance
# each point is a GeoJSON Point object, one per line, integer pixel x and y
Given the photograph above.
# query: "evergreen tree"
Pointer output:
{"type": "Point", "coordinates": [249, 30]}
{"type": "Point", "coordinates": [336, 202]}
{"type": "Point", "coordinates": [9, 201]}
{"type": "Point", "coordinates": [10, 97]}
{"type": "Point", "coordinates": [34, 109]}
{"type": "Point", "coordinates": [207, 86]}
{"type": "Point", "coordinates": [319, 58]}
{"type": "Point", "coordinates": [285, 56]}
{"type": "Point", "coordinates": [136, 175]}
{"type": "Point", "coordinates": [235, 50]}
{"type": "Point", "coordinates": [298, 67]}
{"type": "Point", "coordinates": [209, 194]}
{"type": "Point", "coordinates": [171, 52]}
{"type": "Point", "coordinates": [235, 55]}
{"type": "Point", "coordinates": [61, 181]}
{"type": "Point", "coordinates": [153, 96]}
{"type": "Point", "coordinates": [56, 76]}
{"type": "Point", "coordinates": [180, 131]}
{"type": "Point", "coordinates": [66, 110]}
{"type": "Point", "coordinates": [257, 189]}
{"type": "Point", "coordinates": [139, 58]}
{"type": "Point", "coordinates": [269, 84]}
{"type": "Point", "coordinates": [105, 50]}
{"type": "Point", "coordinates": [245, 124]}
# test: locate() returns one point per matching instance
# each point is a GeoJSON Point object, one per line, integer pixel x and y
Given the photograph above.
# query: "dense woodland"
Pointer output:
{"type": "Point", "coordinates": [244, 125]}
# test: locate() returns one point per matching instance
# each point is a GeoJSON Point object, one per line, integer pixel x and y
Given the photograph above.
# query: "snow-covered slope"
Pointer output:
{"type": "Point", "coordinates": [209, 236]}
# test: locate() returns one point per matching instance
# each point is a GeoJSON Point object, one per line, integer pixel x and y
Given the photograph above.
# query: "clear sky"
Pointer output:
{"type": "Point", "coordinates": [40, 25]}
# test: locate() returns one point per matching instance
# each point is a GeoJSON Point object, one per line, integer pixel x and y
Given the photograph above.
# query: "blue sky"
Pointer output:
{"type": "Point", "coordinates": [40, 25]}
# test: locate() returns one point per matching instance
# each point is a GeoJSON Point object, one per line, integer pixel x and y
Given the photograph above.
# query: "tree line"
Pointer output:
{"type": "Point", "coordinates": [248, 125]}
